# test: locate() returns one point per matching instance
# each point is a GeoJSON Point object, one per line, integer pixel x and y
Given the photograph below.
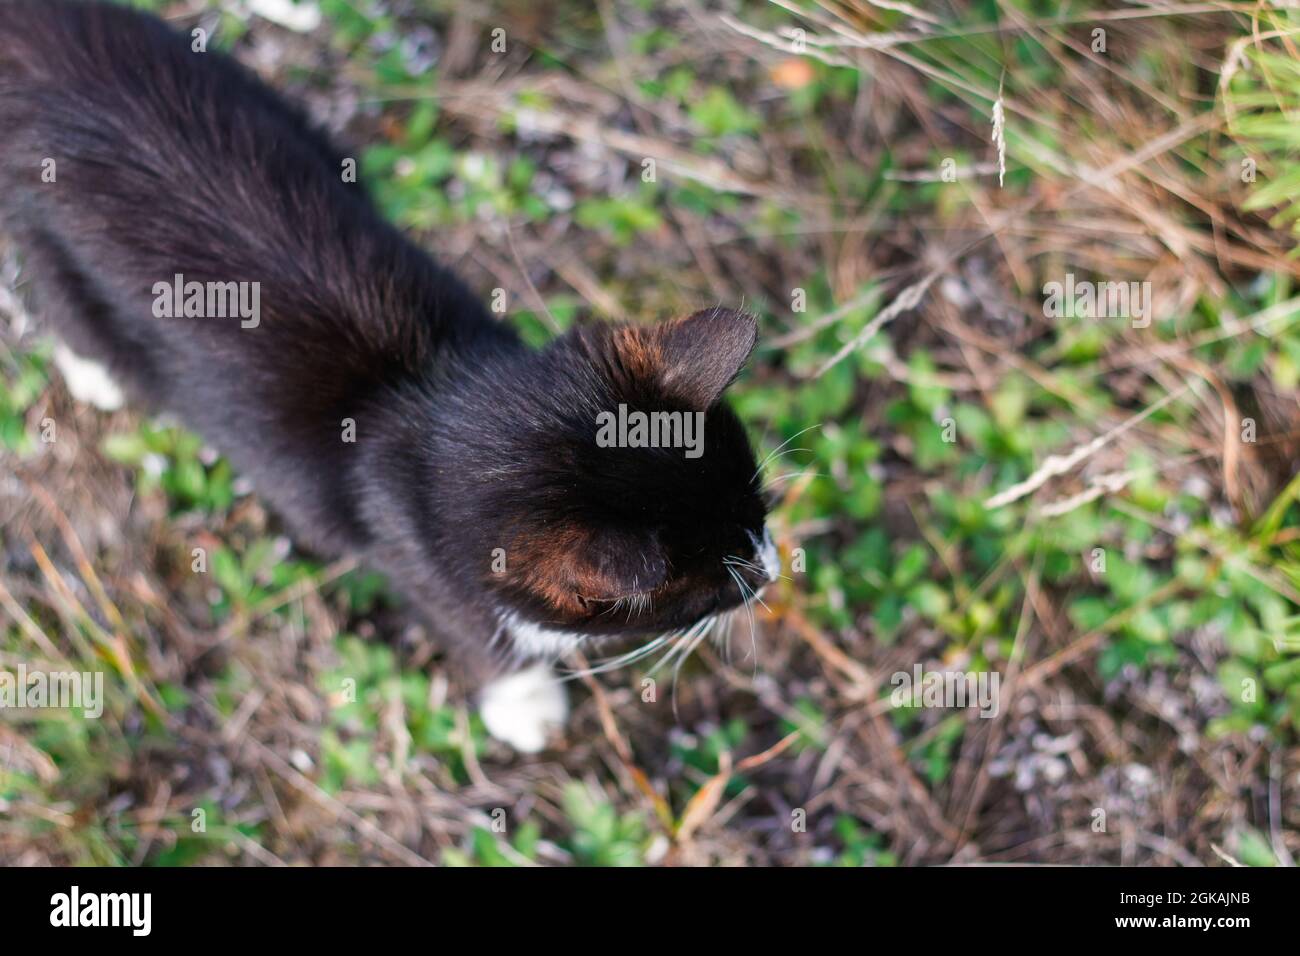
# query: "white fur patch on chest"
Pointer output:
{"type": "Point", "coordinates": [535, 642]}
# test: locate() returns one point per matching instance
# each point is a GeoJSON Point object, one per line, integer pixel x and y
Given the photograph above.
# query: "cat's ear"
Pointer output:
{"type": "Point", "coordinates": [703, 353]}
{"type": "Point", "coordinates": [610, 564]}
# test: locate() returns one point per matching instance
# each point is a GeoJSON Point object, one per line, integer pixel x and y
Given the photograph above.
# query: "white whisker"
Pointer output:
{"type": "Point", "coordinates": [708, 623]}
{"type": "Point", "coordinates": [749, 610]}
{"type": "Point", "coordinates": [764, 462]}
{"type": "Point", "coordinates": [622, 660]}
{"type": "Point", "coordinates": [786, 476]}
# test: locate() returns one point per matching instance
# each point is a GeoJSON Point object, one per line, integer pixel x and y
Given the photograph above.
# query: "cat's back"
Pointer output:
{"type": "Point", "coordinates": [140, 119]}
{"type": "Point", "coordinates": [97, 66]}
{"type": "Point", "coordinates": [161, 156]}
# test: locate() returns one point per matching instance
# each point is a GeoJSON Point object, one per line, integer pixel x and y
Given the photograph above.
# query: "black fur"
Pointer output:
{"type": "Point", "coordinates": [173, 161]}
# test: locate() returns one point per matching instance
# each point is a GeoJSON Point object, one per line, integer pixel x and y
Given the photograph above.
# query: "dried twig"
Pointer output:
{"type": "Point", "coordinates": [1060, 464]}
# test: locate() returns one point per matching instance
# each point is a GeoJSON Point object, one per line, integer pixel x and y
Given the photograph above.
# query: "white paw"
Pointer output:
{"type": "Point", "coordinates": [522, 708]}
{"type": "Point", "coordinates": [87, 381]}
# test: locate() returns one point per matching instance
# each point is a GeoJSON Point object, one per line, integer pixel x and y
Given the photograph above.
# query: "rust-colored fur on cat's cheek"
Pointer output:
{"type": "Point", "coordinates": [550, 566]}
{"type": "Point", "coordinates": [572, 569]}
{"type": "Point", "coordinates": [539, 565]}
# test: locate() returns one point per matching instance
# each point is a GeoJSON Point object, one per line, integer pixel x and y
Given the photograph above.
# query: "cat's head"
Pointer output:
{"type": "Point", "coordinates": [639, 508]}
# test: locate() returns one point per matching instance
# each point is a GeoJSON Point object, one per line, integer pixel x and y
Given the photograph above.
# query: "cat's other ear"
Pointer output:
{"type": "Point", "coordinates": [704, 352]}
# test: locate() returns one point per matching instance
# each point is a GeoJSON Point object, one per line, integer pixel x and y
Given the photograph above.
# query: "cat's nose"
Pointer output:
{"type": "Point", "coordinates": [766, 556]}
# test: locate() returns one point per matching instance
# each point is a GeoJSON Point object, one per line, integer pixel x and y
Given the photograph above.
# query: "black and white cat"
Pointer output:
{"type": "Point", "coordinates": [193, 234]}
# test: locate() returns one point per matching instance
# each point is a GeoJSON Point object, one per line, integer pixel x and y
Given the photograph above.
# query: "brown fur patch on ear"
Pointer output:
{"type": "Point", "coordinates": [630, 355]}
{"type": "Point", "coordinates": [693, 357]}
{"type": "Point", "coordinates": [639, 352]}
